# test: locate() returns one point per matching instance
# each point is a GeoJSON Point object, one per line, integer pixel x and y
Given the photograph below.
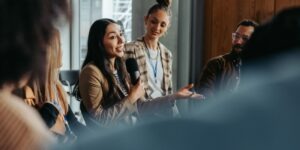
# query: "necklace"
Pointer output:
{"type": "Point", "coordinates": [153, 66]}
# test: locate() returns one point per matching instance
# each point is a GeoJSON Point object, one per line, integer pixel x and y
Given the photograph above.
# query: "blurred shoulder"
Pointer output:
{"type": "Point", "coordinates": [219, 58]}
{"type": "Point", "coordinates": [19, 120]}
{"type": "Point", "coordinates": [90, 70]}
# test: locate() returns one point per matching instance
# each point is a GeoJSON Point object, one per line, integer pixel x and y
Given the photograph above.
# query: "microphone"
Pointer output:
{"type": "Point", "coordinates": [133, 70]}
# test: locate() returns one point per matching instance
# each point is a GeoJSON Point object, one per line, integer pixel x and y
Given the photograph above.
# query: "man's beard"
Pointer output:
{"type": "Point", "coordinates": [237, 48]}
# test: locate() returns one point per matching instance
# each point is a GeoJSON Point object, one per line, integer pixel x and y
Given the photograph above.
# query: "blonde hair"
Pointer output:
{"type": "Point", "coordinates": [50, 88]}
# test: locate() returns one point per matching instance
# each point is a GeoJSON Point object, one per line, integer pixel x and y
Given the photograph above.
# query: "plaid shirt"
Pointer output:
{"type": "Point", "coordinates": [136, 49]}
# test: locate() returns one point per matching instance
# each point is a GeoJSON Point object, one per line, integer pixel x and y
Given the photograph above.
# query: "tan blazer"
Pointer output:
{"type": "Point", "coordinates": [93, 88]}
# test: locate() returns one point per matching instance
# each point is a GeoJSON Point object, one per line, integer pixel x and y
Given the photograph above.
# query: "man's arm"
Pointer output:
{"type": "Point", "coordinates": [207, 82]}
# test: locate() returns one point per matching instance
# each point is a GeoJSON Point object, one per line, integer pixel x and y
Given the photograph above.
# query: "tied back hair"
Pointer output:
{"type": "Point", "coordinates": [165, 3]}
{"type": "Point", "coordinates": [161, 5]}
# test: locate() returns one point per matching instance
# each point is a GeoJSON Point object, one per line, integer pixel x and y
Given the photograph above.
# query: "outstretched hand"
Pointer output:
{"type": "Point", "coordinates": [185, 93]}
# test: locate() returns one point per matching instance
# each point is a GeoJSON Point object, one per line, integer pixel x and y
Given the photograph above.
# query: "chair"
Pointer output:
{"type": "Point", "coordinates": [69, 78]}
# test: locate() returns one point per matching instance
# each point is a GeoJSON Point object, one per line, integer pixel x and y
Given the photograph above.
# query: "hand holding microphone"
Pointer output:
{"type": "Point", "coordinates": [133, 70]}
{"type": "Point", "coordinates": [137, 90]}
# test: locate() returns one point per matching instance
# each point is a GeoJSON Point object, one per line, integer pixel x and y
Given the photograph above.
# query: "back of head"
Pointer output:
{"type": "Point", "coordinates": [273, 52]}
{"type": "Point", "coordinates": [280, 35]}
{"type": "Point", "coordinates": [26, 28]}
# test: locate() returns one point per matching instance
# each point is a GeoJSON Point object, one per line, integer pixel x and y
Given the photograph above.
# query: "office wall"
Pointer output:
{"type": "Point", "coordinates": [221, 18]}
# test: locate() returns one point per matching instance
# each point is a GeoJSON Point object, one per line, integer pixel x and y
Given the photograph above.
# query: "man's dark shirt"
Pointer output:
{"type": "Point", "coordinates": [221, 74]}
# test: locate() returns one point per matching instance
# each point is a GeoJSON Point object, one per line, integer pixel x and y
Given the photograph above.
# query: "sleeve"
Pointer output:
{"type": "Point", "coordinates": [91, 90]}
{"type": "Point", "coordinates": [161, 106]}
{"type": "Point", "coordinates": [206, 84]}
{"type": "Point", "coordinates": [49, 114]}
{"type": "Point", "coordinates": [129, 51]}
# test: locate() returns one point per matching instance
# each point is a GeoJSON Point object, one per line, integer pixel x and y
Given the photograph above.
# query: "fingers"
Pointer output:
{"type": "Point", "coordinates": [137, 91]}
{"type": "Point", "coordinates": [192, 93]}
{"type": "Point", "coordinates": [197, 96]}
{"type": "Point", "coordinates": [189, 86]}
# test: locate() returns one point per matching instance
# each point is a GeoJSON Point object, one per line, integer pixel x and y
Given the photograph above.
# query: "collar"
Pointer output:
{"type": "Point", "coordinates": [140, 39]}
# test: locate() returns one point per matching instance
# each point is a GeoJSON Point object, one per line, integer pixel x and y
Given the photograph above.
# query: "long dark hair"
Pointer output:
{"type": "Point", "coordinates": [96, 54]}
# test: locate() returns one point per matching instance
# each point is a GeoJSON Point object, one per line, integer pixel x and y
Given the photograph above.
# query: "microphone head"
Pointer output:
{"type": "Point", "coordinates": [131, 65]}
{"type": "Point", "coordinates": [133, 70]}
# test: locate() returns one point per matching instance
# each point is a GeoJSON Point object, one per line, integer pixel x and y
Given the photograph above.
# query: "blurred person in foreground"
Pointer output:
{"type": "Point", "coordinates": [47, 95]}
{"type": "Point", "coordinates": [263, 114]}
{"type": "Point", "coordinates": [26, 29]}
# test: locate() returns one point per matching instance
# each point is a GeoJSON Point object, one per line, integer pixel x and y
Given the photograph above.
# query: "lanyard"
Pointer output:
{"type": "Point", "coordinates": [153, 66]}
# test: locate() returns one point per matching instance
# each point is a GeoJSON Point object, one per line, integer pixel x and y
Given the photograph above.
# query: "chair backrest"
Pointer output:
{"type": "Point", "coordinates": [68, 76]}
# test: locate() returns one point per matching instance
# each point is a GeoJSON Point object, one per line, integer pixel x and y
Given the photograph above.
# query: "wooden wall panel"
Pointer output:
{"type": "Point", "coordinates": [218, 18]}
{"type": "Point", "coordinates": [208, 37]}
{"type": "Point", "coordinates": [264, 10]}
{"type": "Point", "coordinates": [221, 19]}
{"type": "Point", "coordinates": [222, 16]}
{"type": "Point", "coordinates": [281, 4]}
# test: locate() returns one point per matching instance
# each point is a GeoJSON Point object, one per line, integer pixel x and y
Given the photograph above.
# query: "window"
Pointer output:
{"type": "Point", "coordinates": [91, 10]}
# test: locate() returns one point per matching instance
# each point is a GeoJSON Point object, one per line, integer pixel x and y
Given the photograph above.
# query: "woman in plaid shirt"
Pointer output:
{"type": "Point", "coordinates": [155, 60]}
